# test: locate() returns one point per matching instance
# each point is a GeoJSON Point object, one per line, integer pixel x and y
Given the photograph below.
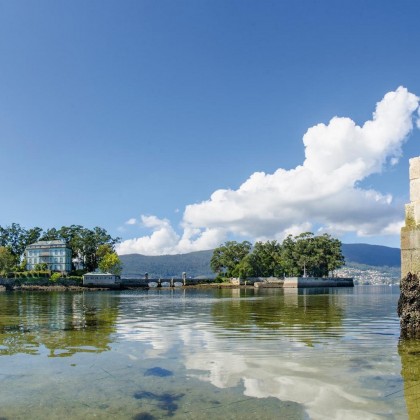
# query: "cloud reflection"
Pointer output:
{"type": "Point", "coordinates": [246, 342]}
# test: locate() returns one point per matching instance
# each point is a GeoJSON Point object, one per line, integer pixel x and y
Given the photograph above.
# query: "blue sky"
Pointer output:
{"type": "Point", "coordinates": [110, 110]}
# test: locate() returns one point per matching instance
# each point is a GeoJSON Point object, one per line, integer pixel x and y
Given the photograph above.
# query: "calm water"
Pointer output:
{"type": "Point", "coordinates": [317, 354]}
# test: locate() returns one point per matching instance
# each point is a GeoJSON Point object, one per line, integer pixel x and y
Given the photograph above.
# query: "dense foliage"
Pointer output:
{"type": "Point", "coordinates": [298, 255]}
{"type": "Point", "coordinates": [109, 262]}
{"type": "Point", "coordinates": [85, 244]}
{"type": "Point", "coordinates": [228, 257]}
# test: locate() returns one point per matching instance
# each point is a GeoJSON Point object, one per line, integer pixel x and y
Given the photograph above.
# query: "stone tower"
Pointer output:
{"type": "Point", "coordinates": [410, 233]}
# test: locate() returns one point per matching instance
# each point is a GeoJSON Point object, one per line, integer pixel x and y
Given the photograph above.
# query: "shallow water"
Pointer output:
{"type": "Point", "coordinates": [195, 354]}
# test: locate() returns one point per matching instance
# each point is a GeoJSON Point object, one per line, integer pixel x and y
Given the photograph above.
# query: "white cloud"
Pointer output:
{"type": "Point", "coordinates": [131, 221]}
{"type": "Point", "coordinates": [163, 240]}
{"type": "Point", "coordinates": [323, 190]}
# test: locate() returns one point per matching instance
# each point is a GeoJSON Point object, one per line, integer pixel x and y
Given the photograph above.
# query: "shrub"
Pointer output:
{"type": "Point", "coordinates": [77, 273]}
{"type": "Point", "coordinates": [75, 278]}
{"type": "Point", "coordinates": [55, 276]}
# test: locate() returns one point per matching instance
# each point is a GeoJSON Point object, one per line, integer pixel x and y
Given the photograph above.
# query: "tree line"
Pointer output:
{"type": "Point", "coordinates": [316, 256]}
{"type": "Point", "coordinates": [91, 248]}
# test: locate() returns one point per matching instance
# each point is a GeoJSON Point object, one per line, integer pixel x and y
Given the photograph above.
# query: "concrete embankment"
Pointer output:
{"type": "Point", "coordinates": [260, 282]}
{"type": "Point", "coordinates": [269, 284]}
{"type": "Point", "coordinates": [297, 282]}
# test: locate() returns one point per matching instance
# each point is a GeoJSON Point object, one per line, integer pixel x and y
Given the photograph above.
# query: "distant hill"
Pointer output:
{"type": "Point", "coordinates": [198, 263]}
{"type": "Point", "coordinates": [194, 264]}
{"type": "Point", "coordinates": [375, 255]}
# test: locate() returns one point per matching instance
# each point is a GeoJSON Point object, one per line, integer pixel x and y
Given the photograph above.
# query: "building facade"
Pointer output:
{"type": "Point", "coordinates": [56, 254]}
{"type": "Point", "coordinates": [100, 279]}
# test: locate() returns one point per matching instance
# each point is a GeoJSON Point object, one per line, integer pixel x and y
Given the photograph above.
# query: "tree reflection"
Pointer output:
{"type": "Point", "coordinates": [65, 323]}
{"type": "Point", "coordinates": [289, 311]}
{"type": "Point", "coordinates": [409, 351]}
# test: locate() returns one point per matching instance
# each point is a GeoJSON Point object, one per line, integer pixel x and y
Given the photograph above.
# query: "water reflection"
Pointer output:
{"type": "Point", "coordinates": [63, 323]}
{"type": "Point", "coordinates": [409, 351]}
{"type": "Point", "coordinates": [287, 310]}
{"type": "Point", "coordinates": [201, 354]}
{"type": "Point", "coordinates": [291, 345]}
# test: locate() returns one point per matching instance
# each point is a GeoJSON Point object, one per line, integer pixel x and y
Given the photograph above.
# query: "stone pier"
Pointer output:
{"type": "Point", "coordinates": [409, 302]}
{"type": "Point", "coordinates": [410, 233]}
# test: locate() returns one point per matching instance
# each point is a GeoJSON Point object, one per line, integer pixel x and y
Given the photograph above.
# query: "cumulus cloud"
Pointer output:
{"type": "Point", "coordinates": [323, 190]}
{"type": "Point", "coordinates": [163, 240]}
{"type": "Point", "coordinates": [131, 221]}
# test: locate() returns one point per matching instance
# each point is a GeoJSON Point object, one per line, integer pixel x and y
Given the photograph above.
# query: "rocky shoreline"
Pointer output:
{"type": "Point", "coordinates": [54, 288]}
{"type": "Point", "coordinates": [44, 286]}
{"type": "Point", "coordinates": [409, 306]}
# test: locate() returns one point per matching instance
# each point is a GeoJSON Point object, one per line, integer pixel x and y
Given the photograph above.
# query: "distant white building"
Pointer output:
{"type": "Point", "coordinates": [56, 254]}
{"type": "Point", "coordinates": [100, 279]}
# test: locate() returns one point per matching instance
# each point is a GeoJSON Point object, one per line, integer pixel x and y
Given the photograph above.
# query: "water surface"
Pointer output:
{"type": "Point", "coordinates": [200, 354]}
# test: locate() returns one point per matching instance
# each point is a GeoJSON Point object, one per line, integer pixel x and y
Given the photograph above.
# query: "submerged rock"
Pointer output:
{"type": "Point", "coordinates": [158, 371]}
{"type": "Point", "coordinates": [165, 401]}
{"type": "Point", "coordinates": [144, 416]}
{"type": "Point", "coordinates": [409, 306]}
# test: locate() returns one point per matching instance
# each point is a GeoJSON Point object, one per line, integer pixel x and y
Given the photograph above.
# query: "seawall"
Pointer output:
{"type": "Point", "coordinates": [296, 282]}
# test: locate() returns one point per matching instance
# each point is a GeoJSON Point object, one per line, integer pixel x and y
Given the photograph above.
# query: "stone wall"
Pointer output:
{"type": "Point", "coordinates": [297, 282]}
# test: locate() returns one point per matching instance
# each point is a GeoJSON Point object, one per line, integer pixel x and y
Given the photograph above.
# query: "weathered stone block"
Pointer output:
{"type": "Point", "coordinates": [415, 168]}
{"type": "Point", "coordinates": [410, 220]}
{"type": "Point", "coordinates": [415, 190]}
{"type": "Point", "coordinates": [416, 206]}
{"type": "Point", "coordinates": [409, 209]}
{"type": "Point", "coordinates": [410, 262]}
{"type": "Point", "coordinates": [415, 262]}
{"type": "Point", "coordinates": [415, 240]}
{"type": "Point", "coordinates": [412, 237]}
{"type": "Point", "coordinates": [405, 238]}
{"type": "Point", "coordinates": [405, 262]}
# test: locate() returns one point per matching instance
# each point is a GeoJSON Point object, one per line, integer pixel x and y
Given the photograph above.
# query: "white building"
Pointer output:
{"type": "Point", "coordinates": [100, 279]}
{"type": "Point", "coordinates": [56, 254]}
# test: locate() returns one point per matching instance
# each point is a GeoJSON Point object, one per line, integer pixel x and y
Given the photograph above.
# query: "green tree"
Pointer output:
{"type": "Point", "coordinates": [315, 255]}
{"type": "Point", "coordinates": [22, 266]}
{"type": "Point", "coordinates": [50, 235]}
{"type": "Point", "coordinates": [111, 263]}
{"type": "Point", "coordinates": [91, 241]}
{"type": "Point", "coordinates": [288, 257]}
{"type": "Point", "coordinates": [265, 259]}
{"type": "Point", "coordinates": [16, 238]}
{"type": "Point", "coordinates": [7, 260]}
{"type": "Point", "coordinates": [103, 250]}
{"type": "Point", "coordinates": [73, 237]}
{"type": "Point", "coordinates": [328, 255]}
{"type": "Point", "coordinates": [244, 269]}
{"type": "Point", "coordinates": [31, 236]}
{"type": "Point", "coordinates": [227, 257]}
{"type": "Point", "coordinates": [304, 253]}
